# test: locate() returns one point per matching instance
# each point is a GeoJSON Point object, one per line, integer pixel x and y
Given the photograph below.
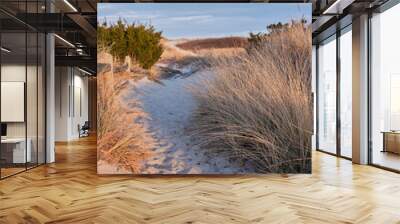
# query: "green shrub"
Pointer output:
{"type": "Point", "coordinates": [141, 43]}
{"type": "Point", "coordinates": [103, 37]}
{"type": "Point", "coordinates": [119, 46]}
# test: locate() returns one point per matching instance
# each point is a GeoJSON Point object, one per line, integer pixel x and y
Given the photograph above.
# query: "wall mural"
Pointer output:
{"type": "Point", "coordinates": [204, 88]}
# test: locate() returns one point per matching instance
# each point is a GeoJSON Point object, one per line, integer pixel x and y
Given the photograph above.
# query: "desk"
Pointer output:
{"type": "Point", "coordinates": [391, 141]}
{"type": "Point", "coordinates": [15, 148]}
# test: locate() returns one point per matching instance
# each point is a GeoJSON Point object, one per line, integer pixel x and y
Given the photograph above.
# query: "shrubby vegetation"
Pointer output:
{"type": "Point", "coordinates": [256, 39]}
{"type": "Point", "coordinates": [141, 43]}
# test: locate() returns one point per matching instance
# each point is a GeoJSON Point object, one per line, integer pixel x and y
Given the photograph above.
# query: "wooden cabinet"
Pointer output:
{"type": "Point", "coordinates": [391, 142]}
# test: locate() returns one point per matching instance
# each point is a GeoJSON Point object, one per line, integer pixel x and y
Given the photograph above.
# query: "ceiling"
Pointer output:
{"type": "Point", "coordinates": [75, 21]}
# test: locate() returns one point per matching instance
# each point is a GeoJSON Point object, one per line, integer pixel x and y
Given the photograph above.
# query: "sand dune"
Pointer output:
{"type": "Point", "coordinates": [166, 105]}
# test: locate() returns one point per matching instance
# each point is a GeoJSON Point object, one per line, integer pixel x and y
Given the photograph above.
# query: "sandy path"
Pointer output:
{"type": "Point", "coordinates": [169, 107]}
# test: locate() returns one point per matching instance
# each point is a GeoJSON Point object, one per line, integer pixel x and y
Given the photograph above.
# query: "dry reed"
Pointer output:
{"type": "Point", "coordinates": [123, 143]}
{"type": "Point", "coordinates": [257, 108]}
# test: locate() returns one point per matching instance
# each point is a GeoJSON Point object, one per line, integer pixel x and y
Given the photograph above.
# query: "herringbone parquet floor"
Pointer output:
{"type": "Point", "coordinates": [70, 191]}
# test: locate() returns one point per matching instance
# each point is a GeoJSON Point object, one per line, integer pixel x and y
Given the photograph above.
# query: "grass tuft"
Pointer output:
{"type": "Point", "coordinates": [258, 107]}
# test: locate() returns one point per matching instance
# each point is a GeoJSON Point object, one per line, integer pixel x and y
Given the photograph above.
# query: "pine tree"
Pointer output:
{"type": "Point", "coordinates": [141, 43]}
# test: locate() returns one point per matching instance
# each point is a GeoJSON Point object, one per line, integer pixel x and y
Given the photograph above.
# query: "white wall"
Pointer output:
{"type": "Point", "coordinates": [62, 81]}
{"type": "Point", "coordinates": [79, 117]}
{"type": "Point", "coordinates": [12, 73]}
{"type": "Point", "coordinates": [33, 126]}
{"type": "Point", "coordinates": [70, 83]}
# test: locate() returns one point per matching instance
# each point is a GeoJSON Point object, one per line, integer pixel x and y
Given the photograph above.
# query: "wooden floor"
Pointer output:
{"type": "Point", "coordinates": [387, 159]}
{"type": "Point", "coordinates": [70, 191]}
{"type": "Point", "coordinates": [5, 172]}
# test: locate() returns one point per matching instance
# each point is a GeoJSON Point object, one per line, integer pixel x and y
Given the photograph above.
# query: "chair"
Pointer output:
{"type": "Point", "coordinates": [84, 130]}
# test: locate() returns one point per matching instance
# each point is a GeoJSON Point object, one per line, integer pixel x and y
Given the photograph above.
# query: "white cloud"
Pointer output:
{"type": "Point", "coordinates": [191, 18]}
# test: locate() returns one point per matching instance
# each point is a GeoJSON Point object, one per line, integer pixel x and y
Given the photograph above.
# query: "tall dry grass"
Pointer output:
{"type": "Point", "coordinates": [258, 106]}
{"type": "Point", "coordinates": [123, 144]}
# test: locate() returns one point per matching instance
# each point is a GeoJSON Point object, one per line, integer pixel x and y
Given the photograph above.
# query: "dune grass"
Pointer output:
{"type": "Point", "coordinates": [123, 145]}
{"type": "Point", "coordinates": [258, 107]}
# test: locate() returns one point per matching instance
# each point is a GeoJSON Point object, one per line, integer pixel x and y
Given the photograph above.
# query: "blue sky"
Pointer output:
{"type": "Point", "coordinates": [191, 20]}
